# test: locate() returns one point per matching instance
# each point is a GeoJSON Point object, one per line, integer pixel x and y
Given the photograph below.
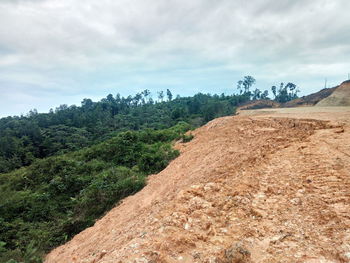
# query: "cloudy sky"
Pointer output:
{"type": "Point", "coordinates": [61, 51]}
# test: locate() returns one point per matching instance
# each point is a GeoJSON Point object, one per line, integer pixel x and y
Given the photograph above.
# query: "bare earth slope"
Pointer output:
{"type": "Point", "coordinates": [312, 99]}
{"type": "Point", "coordinates": [340, 97]}
{"type": "Point", "coordinates": [269, 187]}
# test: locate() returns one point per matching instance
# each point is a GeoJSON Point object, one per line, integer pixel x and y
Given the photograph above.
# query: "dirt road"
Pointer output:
{"type": "Point", "coordinates": [265, 186]}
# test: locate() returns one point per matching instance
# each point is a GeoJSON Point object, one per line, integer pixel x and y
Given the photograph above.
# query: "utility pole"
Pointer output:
{"type": "Point", "coordinates": [325, 83]}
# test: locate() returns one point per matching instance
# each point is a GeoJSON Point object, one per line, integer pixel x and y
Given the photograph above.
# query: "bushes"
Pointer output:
{"type": "Point", "coordinates": [55, 198]}
{"type": "Point", "coordinates": [187, 138]}
{"type": "Point", "coordinates": [157, 157]}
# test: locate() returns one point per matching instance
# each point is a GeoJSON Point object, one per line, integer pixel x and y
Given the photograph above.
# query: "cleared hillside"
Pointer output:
{"type": "Point", "coordinates": [340, 96]}
{"type": "Point", "coordinates": [310, 100]}
{"type": "Point", "coordinates": [273, 187]}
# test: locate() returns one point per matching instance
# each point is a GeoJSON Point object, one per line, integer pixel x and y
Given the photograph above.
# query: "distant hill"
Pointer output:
{"type": "Point", "coordinates": [312, 99]}
{"type": "Point", "coordinates": [339, 97]}
{"type": "Point", "coordinates": [336, 96]}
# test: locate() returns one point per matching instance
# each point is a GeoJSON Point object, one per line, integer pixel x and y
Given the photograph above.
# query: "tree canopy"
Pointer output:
{"type": "Point", "coordinates": [283, 94]}
{"type": "Point", "coordinates": [67, 128]}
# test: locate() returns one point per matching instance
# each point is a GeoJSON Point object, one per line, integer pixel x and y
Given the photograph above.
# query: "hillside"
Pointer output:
{"type": "Point", "coordinates": [310, 100]}
{"type": "Point", "coordinates": [268, 187]}
{"type": "Point", "coordinates": [317, 98]}
{"type": "Point", "coordinates": [340, 96]}
{"type": "Point", "coordinates": [259, 104]}
{"type": "Point", "coordinates": [47, 203]}
{"type": "Point", "coordinates": [25, 139]}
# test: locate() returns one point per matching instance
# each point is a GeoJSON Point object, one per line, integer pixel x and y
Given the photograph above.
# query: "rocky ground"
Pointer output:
{"type": "Point", "coordinates": [264, 186]}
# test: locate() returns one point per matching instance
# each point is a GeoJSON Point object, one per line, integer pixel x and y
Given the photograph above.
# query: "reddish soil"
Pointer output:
{"type": "Point", "coordinates": [259, 104]}
{"type": "Point", "coordinates": [268, 187]}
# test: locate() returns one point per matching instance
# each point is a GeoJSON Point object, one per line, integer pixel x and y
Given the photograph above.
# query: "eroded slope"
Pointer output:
{"type": "Point", "coordinates": [246, 189]}
{"type": "Point", "coordinates": [340, 96]}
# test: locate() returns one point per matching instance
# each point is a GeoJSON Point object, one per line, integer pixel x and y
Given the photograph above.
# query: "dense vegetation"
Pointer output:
{"type": "Point", "coordinates": [48, 202]}
{"type": "Point", "coordinates": [27, 138]}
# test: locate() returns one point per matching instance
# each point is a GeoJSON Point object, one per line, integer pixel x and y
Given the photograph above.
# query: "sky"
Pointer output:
{"type": "Point", "coordinates": [56, 52]}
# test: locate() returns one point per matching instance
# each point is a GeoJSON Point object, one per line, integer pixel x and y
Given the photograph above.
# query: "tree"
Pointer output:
{"type": "Point", "coordinates": [256, 94]}
{"type": "Point", "coordinates": [87, 103]}
{"type": "Point", "coordinates": [274, 91]}
{"type": "Point", "coordinates": [248, 82]}
{"type": "Point", "coordinates": [110, 98]}
{"type": "Point", "coordinates": [32, 113]}
{"type": "Point", "coordinates": [282, 95]}
{"type": "Point", "coordinates": [287, 92]}
{"type": "Point", "coordinates": [161, 95]}
{"type": "Point", "coordinates": [62, 107]}
{"type": "Point", "coordinates": [137, 98]}
{"type": "Point", "coordinates": [169, 95]}
{"type": "Point", "coordinates": [145, 94]}
{"type": "Point", "coordinates": [293, 90]}
{"type": "Point", "coordinates": [239, 86]}
{"type": "Point", "coordinates": [264, 95]}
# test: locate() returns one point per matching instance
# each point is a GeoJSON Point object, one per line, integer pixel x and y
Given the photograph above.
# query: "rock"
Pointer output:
{"type": "Point", "coordinates": [236, 254]}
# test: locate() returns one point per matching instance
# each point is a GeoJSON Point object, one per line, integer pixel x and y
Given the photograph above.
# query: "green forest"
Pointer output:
{"type": "Point", "coordinates": [62, 170]}
{"type": "Point", "coordinates": [68, 128]}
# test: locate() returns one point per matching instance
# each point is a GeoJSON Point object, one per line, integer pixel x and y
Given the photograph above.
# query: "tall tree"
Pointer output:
{"type": "Point", "coordinates": [146, 93]}
{"type": "Point", "coordinates": [264, 95]}
{"type": "Point", "coordinates": [239, 86]}
{"type": "Point", "coordinates": [169, 95]}
{"type": "Point", "coordinates": [274, 91]}
{"type": "Point", "coordinates": [256, 94]}
{"type": "Point", "coordinates": [248, 82]}
{"type": "Point", "coordinates": [161, 95]}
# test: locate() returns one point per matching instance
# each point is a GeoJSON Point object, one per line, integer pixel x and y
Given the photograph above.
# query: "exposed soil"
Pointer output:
{"type": "Point", "coordinates": [336, 96]}
{"type": "Point", "coordinates": [259, 104]}
{"type": "Point", "coordinates": [271, 186]}
{"type": "Point", "coordinates": [340, 97]}
{"type": "Point", "coordinates": [312, 99]}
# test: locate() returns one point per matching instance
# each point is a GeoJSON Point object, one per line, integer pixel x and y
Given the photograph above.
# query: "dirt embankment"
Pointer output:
{"type": "Point", "coordinates": [340, 97]}
{"type": "Point", "coordinates": [312, 99]}
{"type": "Point", "coordinates": [336, 96]}
{"type": "Point", "coordinates": [259, 104]}
{"type": "Point", "coordinates": [263, 188]}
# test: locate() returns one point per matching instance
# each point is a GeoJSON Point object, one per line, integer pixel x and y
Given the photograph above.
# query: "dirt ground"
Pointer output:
{"type": "Point", "coordinates": [265, 186]}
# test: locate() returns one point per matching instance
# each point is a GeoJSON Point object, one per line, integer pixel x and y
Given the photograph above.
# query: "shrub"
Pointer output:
{"type": "Point", "coordinates": [187, 138]}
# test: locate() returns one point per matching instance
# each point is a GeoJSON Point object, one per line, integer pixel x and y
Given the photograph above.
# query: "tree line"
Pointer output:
{"type": "Point", "coordinates": [23, 139]}
{"type": "Point", "coordinates": [282, 94]}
